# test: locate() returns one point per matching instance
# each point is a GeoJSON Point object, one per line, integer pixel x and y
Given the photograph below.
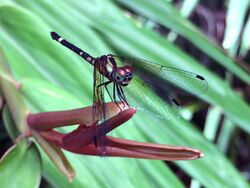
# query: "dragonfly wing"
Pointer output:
{"type": "Point", "coordinates": [144, 96]}
{"type": "Point", "coordinates": [165, 77]}
{"type": "Point", "coordinates": [98, 97]}
{"type": "Point", "coordinates": [99, 112]}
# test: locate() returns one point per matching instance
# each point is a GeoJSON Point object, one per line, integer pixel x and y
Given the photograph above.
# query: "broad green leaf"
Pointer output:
{"type": "Point", "coordinates": [236, 13]}
{"type": "Point", "coordinates": [9, 123]}
{"type": "Point", "coordinates": [165, 14]}
{"type": "Point", "coordinates": [188, 6]}
{"type": "Point", "coordinates": [56, 95]}
{"type": "Point", "coordinates": [225, 135]}
{"type": "Point", "coordinates": [205, 169]}
{"type": "Point", "coordinates": [195, 184]}
{"type": "Point", "coordinates": [245, 44]}
{"type": "Point", "coordinates": [56, 155]}
{"type": "Point", "coordinates": [186, 9]}
{"type": "Point", "coordinates": [19, 112]}
{"type": "Point", "coordinates": [212, 122]}
{"type": "Point", "coordinates": [12, 96]}
{"type": "Point", "coordinates": [21, 167]}
{"type": "Point", "coordinates": [36, 64]}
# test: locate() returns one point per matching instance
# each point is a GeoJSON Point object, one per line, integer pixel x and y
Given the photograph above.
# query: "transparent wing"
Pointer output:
{"type": "Point", "coordinates": [142, 96]}
{"type": "Point", "coordinates": [163, 77]}
{"type": "Point", "coordinates": [98, 97]}
{"type": "Point", "coordinates": [152, 84]}
{"type": "Point", "coordinates": [99, 111]}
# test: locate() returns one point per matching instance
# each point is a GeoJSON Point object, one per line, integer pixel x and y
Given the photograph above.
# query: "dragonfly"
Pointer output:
{"type": "Point", "coordinates": [137, 83]}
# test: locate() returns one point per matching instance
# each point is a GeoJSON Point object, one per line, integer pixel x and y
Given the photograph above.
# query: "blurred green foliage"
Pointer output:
{"type": "Point", "coordinates": [53, 78]}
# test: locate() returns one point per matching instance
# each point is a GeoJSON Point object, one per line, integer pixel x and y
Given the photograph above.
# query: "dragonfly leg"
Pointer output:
{"type": "Point", "coordinates": [123, 96]}
{"type": "Point", "coordinates": [114, 91]}
{"type": "Point", "coordinates": [120, 95]}
{"type": "Point", "coordinates": [105, 85]}
{"type": "Point", "coordinates": [113, 99]}
{"type": "Point", "coordinates": [118, 92]}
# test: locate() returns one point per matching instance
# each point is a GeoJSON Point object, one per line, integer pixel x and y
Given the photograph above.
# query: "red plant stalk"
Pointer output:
{"type": "Point", "coordinates": [84, 139]}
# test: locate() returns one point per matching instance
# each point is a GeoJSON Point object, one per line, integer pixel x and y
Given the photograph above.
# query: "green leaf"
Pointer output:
{"type": "Point", "coordinates": [236, 13]}
{"type": "Point", "coordinates": [11, 94]}
{"type": "Point", "coordinates": [212, 123]}
{"type": "Point", "coordinates": [188, 6]}
{"type": "Point", "coordinates": [56, 155]}
{"type": "Point", "coordinates": [164, 13]}
{"type": "Point", "coordinates": [225, 135]}
{"type": "Point", "coordinates": [9, 123]}
{"type": "Point", "coordinates": [183, 133]}
{"type": "Point", "coordinates": [33, 63]}
{"type": "Point", "coordinates": [52, 92]}
{"type": "Point", "coordinates": [186, 9]}
{"type": "Point", "coordinates": [245, 44]}
{"type": "Point", "coordinates": [21, 166]}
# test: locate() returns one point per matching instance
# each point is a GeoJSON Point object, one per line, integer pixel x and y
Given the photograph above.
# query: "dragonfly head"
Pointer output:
{"type": "Point", "coordinates": [123, 75]}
